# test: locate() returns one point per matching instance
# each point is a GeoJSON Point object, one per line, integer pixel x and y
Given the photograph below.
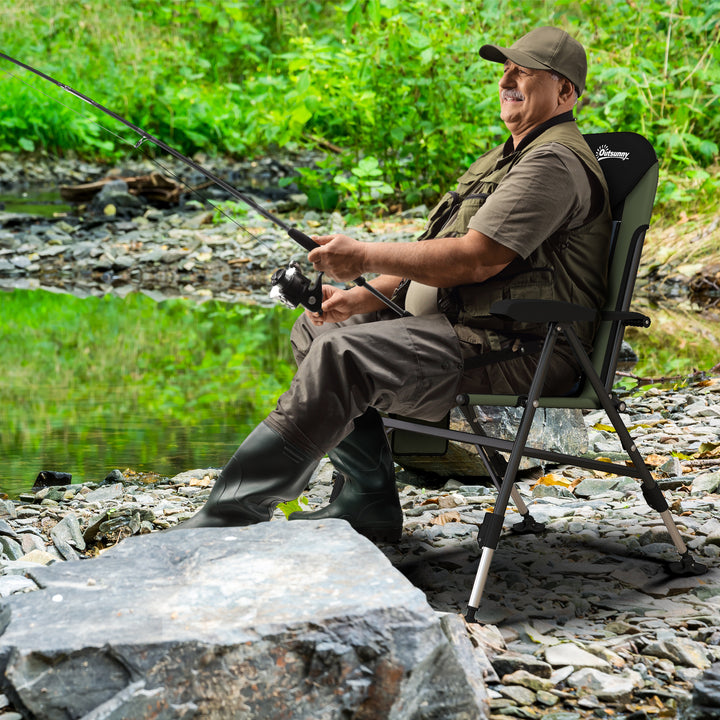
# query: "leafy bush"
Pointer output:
{"type": "Point", "coordinates": [397, 80]}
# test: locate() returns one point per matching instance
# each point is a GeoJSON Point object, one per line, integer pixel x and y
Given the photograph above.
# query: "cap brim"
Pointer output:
{"type": "Point", "coordinates": [498, 54]}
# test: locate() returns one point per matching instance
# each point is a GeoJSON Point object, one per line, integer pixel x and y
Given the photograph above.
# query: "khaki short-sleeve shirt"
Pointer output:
{"type": "Point", "coordinates": [546, 191]}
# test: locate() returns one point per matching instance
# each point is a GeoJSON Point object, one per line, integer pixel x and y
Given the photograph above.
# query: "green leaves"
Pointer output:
{"type": "Point", "coordinates": [400, 81]}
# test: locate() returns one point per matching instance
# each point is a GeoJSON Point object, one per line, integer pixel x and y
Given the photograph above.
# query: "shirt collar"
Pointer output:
{"type": "Point", "coordinates": [510, 148]}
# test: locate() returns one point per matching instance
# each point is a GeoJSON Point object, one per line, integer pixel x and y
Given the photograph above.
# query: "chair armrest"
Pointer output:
{"type": "Point", "coordinates": [626, 317]}
{"type": "Point", "coordinates": [542, 311]}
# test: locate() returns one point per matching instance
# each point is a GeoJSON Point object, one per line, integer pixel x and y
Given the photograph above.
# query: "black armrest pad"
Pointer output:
{"type": "Point", "coordinates": [627, 317]}
{"type": "Point", "coordinates": [542, 311]}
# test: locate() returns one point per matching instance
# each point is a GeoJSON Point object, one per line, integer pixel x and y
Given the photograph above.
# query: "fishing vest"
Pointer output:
{"type": "Point", "coordinates": [570, 265]}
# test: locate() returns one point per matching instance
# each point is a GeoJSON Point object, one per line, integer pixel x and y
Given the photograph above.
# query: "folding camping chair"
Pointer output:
{"type": "Point", "coordinates": [631, 170]}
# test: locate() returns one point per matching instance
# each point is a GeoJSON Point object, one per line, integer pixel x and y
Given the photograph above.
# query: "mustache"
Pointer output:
{"type": "Point", "coordinates": [512, 95]}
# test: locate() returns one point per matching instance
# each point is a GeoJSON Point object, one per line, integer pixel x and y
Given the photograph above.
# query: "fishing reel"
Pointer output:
{"type": "Point", "coordinates": [292, 288]}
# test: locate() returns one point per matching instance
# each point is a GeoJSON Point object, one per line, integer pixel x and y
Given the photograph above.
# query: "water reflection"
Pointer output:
{"type": "Point", "coordinates": [43, 202]}
{"type": "Point", "coordinates": [137, 440]}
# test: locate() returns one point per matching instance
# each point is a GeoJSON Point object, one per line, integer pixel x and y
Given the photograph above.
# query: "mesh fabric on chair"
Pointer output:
{"type": "Point", "coordinates": [631, 170]}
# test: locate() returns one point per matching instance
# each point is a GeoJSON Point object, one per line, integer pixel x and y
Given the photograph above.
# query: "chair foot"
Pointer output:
{"type": "Point", "coordinates": [528, 526]}
{"type": "Point", "coordinates": [687, 566]}
{"type": "Point", "coordinates": [470, 614]}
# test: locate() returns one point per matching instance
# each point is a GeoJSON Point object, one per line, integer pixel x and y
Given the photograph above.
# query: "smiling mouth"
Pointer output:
{"type": "Point", "coordinates": [511, 96]}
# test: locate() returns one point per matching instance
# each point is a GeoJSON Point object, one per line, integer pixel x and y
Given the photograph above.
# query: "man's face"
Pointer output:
{"type": "Point", "coordinates": [527, 98]}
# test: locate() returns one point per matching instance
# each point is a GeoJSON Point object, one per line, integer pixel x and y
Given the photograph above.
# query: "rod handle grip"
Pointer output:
{"type": "Point", "coordinates": [302, 239]}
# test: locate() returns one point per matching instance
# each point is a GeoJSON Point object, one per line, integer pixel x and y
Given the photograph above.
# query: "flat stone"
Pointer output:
{"type": "Point", "coordinates": [518, 693]}
{"type": "Point", "coordinates": [10, 584]}
{"type": "Point", "coordinates": [605, 687]}
{"type": "Point", "coordinates": [528, 680]}
{"type": "Point", "coordinates": [570, 654]}
{"type": "Point", "coordinates": [590, 487]}
{"type": "Point", "coordinates": [303, 620]}
{"type": "Point", "coordinates": [509, 662]}
{"type": "Point", "coordinates": [682, 651]}
{"type": "Point", "coordinates": [707, 482]}
{"type": "Point", "coordinates": [105, 493]}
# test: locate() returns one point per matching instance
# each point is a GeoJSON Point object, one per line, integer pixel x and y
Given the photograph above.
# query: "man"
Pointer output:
{"type": "Point", "coordinates": [528, 219]}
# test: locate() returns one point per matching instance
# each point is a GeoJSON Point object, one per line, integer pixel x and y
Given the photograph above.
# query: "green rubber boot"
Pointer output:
{"type": "Point", "coordinates": [368, 498]}
{"type": "Point", "coordinates": [264, 471]}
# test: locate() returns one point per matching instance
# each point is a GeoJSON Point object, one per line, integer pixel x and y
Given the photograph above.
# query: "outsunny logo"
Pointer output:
{"type": "Point", "coordinates": [605, 153]}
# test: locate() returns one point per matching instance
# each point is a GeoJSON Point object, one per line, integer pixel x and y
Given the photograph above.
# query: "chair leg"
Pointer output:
{"type": "Point", "coordinates": [654, 497]}
{"type": "Point", "coordinates": [496, 467]}
{"type": "Point", "coordinates": [491, 528]}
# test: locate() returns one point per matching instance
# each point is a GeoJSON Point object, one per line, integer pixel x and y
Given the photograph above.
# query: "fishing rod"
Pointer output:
{"type": "Point", "coordinates": [289, 284]}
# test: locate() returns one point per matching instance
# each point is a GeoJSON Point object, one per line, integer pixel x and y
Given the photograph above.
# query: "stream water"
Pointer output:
{"type": "Point", "coordinates": [90, 434]}
{"type": "Point", "coordinates": [139, 440]}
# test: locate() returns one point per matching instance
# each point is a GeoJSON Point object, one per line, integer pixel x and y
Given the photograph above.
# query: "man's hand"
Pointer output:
{"type": "Point", "coordinates": [340, 257]}
{"type": "Point", "coordinates": [337, 305]}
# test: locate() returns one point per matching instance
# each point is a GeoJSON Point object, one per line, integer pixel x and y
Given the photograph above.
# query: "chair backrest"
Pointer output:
{"type": "Point", "coordinates": [631, 170]}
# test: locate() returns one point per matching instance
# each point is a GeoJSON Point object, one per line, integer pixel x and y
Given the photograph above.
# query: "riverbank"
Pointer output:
{"type": "Point", "coordinates": [581, 622]}
{"type": "Point", "coordinates": [118, 242]}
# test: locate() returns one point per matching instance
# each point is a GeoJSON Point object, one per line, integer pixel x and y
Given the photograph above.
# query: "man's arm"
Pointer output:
{"type": "Point", "coordinates": [443, 262]}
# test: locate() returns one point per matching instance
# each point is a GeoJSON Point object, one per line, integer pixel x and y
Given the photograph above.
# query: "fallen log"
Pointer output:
{"type": "Point", "coordinates": [155, 188]}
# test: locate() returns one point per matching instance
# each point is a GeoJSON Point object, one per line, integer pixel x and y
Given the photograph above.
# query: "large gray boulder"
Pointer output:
{"type": "Point", "coordinates": [556, 429]}
{"type": "Point", "coordinates": [302, 620]}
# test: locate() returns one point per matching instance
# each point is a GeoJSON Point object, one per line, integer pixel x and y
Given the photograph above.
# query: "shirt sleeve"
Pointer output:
{"type": "Point", "coordinates": [548, 190]}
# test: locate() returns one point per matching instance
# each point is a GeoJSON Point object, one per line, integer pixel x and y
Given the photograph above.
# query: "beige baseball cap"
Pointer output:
{"type": "Point", "coordinates": [544, 48]}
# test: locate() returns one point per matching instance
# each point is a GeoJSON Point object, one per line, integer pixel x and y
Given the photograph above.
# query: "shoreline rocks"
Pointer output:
{"type": "Point", "coordinates": [582, 620]}
{"type": "Point", "coordinates": [224, 623]}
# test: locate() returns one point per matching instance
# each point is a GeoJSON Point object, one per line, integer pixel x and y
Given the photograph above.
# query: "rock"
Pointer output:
{"type": "Point", "coordinates": [705, 483]}
{"type": "Point", "coordinates": [528, 680]}
{"type": "Point", "coordinates": [706, 695]}
{"type": "Point", "coordinates": [518, 693]}
{"type": "Point", "coordinates": [590, 487]}
{"type": "Point", "coordinates": [510, 662]}
{"type": "Point", "coordinates": [552, 429]}
{"type": "Point", "coordinates": [67, 536]}
{"type": "Point", "coordinates": [113, 477]}
{"type": "Point", "coordinates": [682, 651]}
{"type": "Point", "coordinates": [10, 548]}
{"type": "Point", "coordinates": [38, 556]}
{"type": "Point", "coordinates": [47, 478]}
{"type": "Point", "coordinates": [565, 654]}
{"type": "Point", "coordinates": [304, 620]}
{"type": "Point", "coordinates": [10, 584]}
{"type": "Point", "coordinates": [105, 493]}
{"type": "Point", "coordinates": [605, 687]}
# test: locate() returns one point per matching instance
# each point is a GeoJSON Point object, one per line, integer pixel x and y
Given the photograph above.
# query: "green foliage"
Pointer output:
{"type": "Point", "coordinates": [176, 358]}
{"type": "Point", "coordinates": [363, 187]}
{"type": "Point", "coordinates": [294, 506]}
{"type": "Point", "coordinates": [400, 81]}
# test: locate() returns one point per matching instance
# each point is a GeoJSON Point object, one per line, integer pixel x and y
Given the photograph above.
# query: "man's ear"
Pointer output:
{"type": "Point", "coordinates": [567, 91]}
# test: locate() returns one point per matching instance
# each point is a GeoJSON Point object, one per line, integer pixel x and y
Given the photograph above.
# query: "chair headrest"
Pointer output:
{"type": "Point", "coordinates": [624, 158]}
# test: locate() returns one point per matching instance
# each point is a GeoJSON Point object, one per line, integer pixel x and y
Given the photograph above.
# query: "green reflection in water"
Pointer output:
{"type": "Point", "coordinates": [102, 383]}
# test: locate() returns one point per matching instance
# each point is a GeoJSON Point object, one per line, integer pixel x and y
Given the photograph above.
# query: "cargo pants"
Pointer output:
{"type": "Point", "coordinates": [409, 366]}
{"type": "Point", "coordinates": [412, 366]}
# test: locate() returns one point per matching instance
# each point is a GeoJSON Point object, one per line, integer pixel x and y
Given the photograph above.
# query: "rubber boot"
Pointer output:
{"type": "Point", "coordinates": [368, 498]}
{"type": "Point", "coordinates": [264, 471]}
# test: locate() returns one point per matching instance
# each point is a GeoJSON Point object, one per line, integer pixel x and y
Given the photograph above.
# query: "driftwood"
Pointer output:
{"type": "Point", "coordinates": [155, 188]}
